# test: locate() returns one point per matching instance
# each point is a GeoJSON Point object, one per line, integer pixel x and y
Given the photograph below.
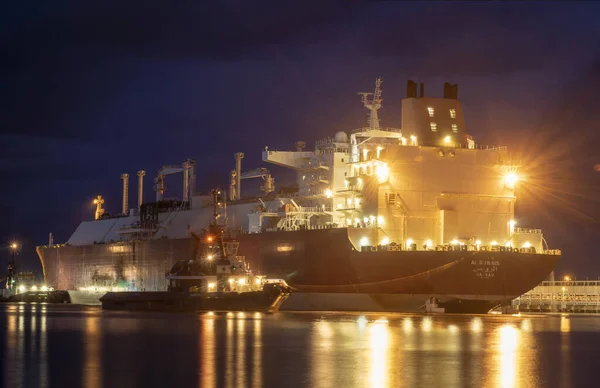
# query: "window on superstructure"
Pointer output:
{"type": "Point", "coordinates": [433, 127]}
{"type": "Point", "coordinates": [452, 113]}
{"type": "Point", "coordinates": [431, 111]}
{"type": "Point", "coordinates": [454, 128]}
{"type": "Point", "coordinates": [391, 198]}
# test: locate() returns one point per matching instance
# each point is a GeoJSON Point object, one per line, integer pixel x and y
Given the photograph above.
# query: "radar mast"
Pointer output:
{"type": "Point", "coordinates": [374, 104]}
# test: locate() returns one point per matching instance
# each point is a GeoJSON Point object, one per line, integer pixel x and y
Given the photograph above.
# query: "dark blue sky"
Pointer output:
{"type": "Point", "coordinates": [94, 89]}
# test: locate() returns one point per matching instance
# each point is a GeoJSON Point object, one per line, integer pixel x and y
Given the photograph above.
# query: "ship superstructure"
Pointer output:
{"type": "Point", "coordinates": [421, 211]}
{"type": "Point", "coordinates": [394, 187]}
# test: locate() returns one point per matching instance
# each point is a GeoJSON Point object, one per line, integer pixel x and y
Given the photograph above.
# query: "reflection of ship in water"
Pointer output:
{"type": "Point", "coordinates": [381, 219]}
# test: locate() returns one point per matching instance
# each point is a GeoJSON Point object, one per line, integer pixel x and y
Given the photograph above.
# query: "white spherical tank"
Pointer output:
{"type": "Point", "coordinates": [341, 137]}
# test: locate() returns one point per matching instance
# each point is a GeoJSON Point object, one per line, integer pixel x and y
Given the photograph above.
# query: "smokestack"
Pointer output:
{"type": "Point", "coordinates": [140, 175]}
{"type": "Point", "coordinates": [411, 89]}
{"type": "Point", "coordinates": [238, 169]}
{"type": "Point", "coordinates": [450, 91]}
{"type": "Point", "coordinates": [125, 178]}
{"type": "Point", "coordinates": [422, 89]}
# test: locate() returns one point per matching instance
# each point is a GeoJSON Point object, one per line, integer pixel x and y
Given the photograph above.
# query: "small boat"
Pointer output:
{"type": "Point", "coordinates": [217, 279]}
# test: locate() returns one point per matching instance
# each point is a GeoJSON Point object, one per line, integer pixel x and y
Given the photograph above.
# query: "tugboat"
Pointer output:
{"type": "Point", "coordinates": [22, 287]}
{"type": "Point", "coordinates": [217, 279]}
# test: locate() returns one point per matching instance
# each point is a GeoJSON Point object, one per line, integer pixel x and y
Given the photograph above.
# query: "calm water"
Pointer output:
{"type": "Point", "coordinates": [71, 346]}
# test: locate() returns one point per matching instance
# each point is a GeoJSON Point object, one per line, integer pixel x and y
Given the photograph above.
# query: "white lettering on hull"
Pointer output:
{"type": "Point", "coordinates": [485, 269]}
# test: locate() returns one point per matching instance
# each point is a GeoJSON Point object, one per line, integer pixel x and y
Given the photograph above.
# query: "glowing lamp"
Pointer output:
{"type": "Point", "coordinates": [211, 286]}
{"type": "Point", "coordinates": [493, 243]}
{"type": "Point", "coordinates": [428, 243]}
{"type": "Point", "coordinates": [257, 281]}
{"type": "Point", "coordinates": [385, 241]}
{"type": "Point", "coordinates": [527, 245]}
{"type": "Point", "coordinates": [447, 140]}
{"type": "Point", "coordinates": [209, 257]}
{"type": "Point", "coordinates": [364, 241]}
{"type": "Point", "coordinates": [328, 193]}
{"type": "Point", "coordinates": [409, 242]}
{"type": "Point", "coordinates": [242, 281]}
{"type": "Point", "coordinates": [383, 173]}
{"type": "Point", "coordinates": [511, 179]}
{"type": "Point", "coordinates": [454, 242]}
{"type": "Point", "coordinates": [44, 288]}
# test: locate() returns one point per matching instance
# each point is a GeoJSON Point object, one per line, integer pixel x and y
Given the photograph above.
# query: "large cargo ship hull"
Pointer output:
{"type": "Point", "coordinates": [324, 268]}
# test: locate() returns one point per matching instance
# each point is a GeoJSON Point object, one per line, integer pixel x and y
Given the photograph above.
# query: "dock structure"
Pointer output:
{"type": "Point", "coordinates": [580, 296]}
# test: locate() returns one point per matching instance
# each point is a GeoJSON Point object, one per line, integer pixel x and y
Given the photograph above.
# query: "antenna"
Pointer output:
{"type": "Point", "coordinates": [374, 104]}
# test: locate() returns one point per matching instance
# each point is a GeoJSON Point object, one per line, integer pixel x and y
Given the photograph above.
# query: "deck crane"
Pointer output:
{"type": "Point", "coordinates": [186, 168]}
{"type": "Point", "coordinates": [269, 182]}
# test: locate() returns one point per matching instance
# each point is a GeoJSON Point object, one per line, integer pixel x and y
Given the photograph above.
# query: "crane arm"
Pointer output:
{"type": "Point", "coordinates": [256, 173]}
{"type": "Point", "coordinates": [168, 170]}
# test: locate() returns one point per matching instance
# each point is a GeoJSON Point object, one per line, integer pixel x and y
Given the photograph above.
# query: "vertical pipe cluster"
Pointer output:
{"type": "Point", "coordinates": [238, 168]}
{"type": "Point", "coordinates": [125, 178]}
{"type": "Point", "coordinates": [186, 181]}
{"type": "Point", "coordinates": [140, 175]}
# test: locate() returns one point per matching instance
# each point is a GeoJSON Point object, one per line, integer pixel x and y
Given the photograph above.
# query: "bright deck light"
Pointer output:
{"type": "Point", "coordinates": [511, 179]}
{"type": "Point", "coordinates": [383, 173]}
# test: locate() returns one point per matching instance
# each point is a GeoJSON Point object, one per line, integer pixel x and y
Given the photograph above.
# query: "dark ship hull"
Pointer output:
{"type": "Point", "coordinates": [324, 269]}
{"type": "Point", "coordinates": [264, 301]}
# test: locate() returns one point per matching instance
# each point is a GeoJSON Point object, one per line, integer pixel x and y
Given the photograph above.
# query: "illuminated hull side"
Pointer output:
{"type": "Point", "coordinates": [136, 265]}
{"type": "Point", "coordinates": [324, 269]}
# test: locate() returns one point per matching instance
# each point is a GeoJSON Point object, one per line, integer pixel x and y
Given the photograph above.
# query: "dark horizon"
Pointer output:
{"type": "Point", "coordinates": [94, 91]}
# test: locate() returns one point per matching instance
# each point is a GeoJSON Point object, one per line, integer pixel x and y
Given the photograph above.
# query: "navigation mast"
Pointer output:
{"type": "Point", "coordinates": [374, 104]}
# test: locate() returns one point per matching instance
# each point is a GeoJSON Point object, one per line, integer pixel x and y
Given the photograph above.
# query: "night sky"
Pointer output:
{"type": "Point", "coordinates": [93, 89]}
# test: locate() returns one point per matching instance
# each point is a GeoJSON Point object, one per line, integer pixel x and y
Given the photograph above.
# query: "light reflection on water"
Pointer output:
{"type": "Point", "coordinates": [102, 349]}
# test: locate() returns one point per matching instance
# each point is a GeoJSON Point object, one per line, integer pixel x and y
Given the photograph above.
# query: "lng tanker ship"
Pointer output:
{"type": "Point", "coordinates": [380, 219]}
